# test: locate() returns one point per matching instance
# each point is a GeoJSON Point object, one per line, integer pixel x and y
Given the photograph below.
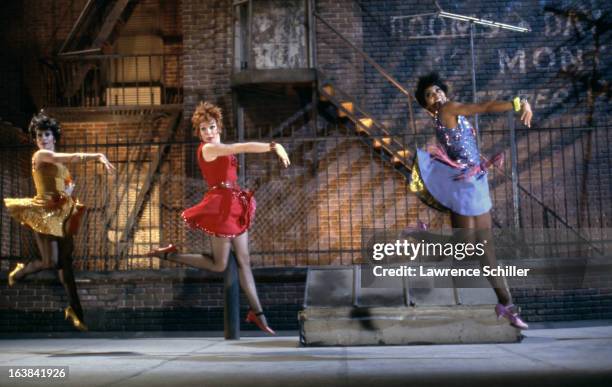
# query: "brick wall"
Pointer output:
{"type": "Point", "coordinates": [564, 305]}
{"type": "Point", "coordinates": [555, 162]}
{"type": "Point", "coordinates": [12, 184]}
{"type": "Point", "coordinates": [167, 300]}
{"type": "Point", "coordinates": [343, 65]}
{"type": "Point", "coordinates": [337, 186]}
{"type": "Point", "coordinates": [551, 74]}
{"type": "Point", "coordinates": [34, 30]}
{"type": "Point", "coordinates": [191, 300]}
{"type": "Point", "coordinates": [207, 45]}
{"type": "Point", "coordinates": [45, 26]}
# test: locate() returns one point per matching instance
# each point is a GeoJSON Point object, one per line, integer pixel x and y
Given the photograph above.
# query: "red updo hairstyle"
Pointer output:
{"type": "Point", "coordinates": [206, 111]}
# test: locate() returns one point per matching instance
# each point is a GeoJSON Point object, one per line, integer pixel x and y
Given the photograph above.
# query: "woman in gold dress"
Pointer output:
{"type": "Point", "coordinates": [53, 214]}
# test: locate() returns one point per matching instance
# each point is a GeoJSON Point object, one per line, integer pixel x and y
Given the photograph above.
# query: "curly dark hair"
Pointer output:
{"type": "Point", "coordinates": [42, 121]}
{"type": "Point", "coordinates": [426, 81]}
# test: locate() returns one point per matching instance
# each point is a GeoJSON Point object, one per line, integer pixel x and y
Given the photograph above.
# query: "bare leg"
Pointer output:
{"type": "Point", "coordinates": [499, 284]}
{"type": "Point", "coordinates": [483, 224]}
{"type": "Point", "coordinates": [216, 263]}
{"type": "Point", "coordinates": [461, 221]}
{"type": "Point", "coordinates": [66, 275]}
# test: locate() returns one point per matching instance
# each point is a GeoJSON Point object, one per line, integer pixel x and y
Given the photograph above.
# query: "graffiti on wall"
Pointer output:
{"type": "Point", "coordinates": [542, 58]}
{"type": "Point", "coordinates": [566, 44]}
{"type": "Point", "coordinates": [279, 34]}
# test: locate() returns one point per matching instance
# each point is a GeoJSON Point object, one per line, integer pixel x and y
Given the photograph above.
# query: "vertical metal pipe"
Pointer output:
{"type": "Point", "coordinates": [310, 33]}
{"type": "Point", "coordinates": [473, 63]}
{"type": "Point", "coordinates": [514, 172]}
{"type": "Point", "coordinates": [239, 122]}
{"type": "Point", "coordinates": [250, 58]}
{"type": "Point", "coordinates": [356, 284]}
{"type": "Point", "coordinates": [231, 300]}
{"type": "Point", "coordinates": [235, 35]}
{"type": "Point", "coordinates": [231, 292]}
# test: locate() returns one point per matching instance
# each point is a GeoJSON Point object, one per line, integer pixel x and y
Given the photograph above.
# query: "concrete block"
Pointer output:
{"type": "Point", "coordinates": [458, 324]}
{"type": "Point", "coordinates": [381, 296]}
{"type": "Point", "coordinates": [423, 291]}
{"type": "Point", "coordinates": [476, 296]}
{"type": "Point", "coordinates": [329, 287]}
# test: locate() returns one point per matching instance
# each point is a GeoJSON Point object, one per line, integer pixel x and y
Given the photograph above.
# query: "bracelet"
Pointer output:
{"type": "Point", "coordinates": [272, 146]}
{"type": "Point", "coordinates": [516, 103]}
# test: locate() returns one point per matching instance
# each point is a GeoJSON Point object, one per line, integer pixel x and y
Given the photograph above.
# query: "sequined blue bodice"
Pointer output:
{"type": "Point", "coordinates": [460, 142]}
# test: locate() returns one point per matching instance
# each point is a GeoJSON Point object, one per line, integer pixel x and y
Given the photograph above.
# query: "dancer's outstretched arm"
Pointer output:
{"type": "Point", "coordinates": [453, 109]}
{"type": "Point", "coordinates": [47, 156]}
{"type": "Point", "coordinates": [211, 151]}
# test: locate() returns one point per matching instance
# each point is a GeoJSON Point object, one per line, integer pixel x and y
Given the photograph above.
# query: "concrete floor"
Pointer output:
{"type": "Point", "coordinates": [575, 355]}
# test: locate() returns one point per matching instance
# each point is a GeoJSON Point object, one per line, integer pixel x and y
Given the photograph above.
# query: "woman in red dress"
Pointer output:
{"type": "Point", "coordinates": [226, 211]}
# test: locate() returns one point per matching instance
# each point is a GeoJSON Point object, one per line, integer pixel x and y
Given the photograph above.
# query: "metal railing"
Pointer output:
{"type": "Point", "coordinates": [379, 69]}
{"type": "Point", "coordinates": [111, 80]}
{"type": "Point", "coordinates": [312, 212]}
{"type": "Point", "coordinates": [351, 62]}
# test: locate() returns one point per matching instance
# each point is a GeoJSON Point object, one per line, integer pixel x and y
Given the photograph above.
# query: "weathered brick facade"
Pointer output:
{"type": "Point", "coordinates": [313, 212]}
{"type": "Point", "coordinates": [165, 300]}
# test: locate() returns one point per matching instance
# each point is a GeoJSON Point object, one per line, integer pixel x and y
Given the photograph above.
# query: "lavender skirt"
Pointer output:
{"type": "Point", "coordinates": [469, 196]}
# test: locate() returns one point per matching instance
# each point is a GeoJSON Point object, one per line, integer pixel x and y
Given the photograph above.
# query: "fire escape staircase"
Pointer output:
{"type": "Point", "coordinates": [95, 28]}
{"type": "Point", "coordinates": [389, 147]}
{"type": "Point", "coordinates": [140, 173]}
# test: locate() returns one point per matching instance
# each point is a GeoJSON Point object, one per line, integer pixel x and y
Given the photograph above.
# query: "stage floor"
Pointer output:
{"type": "Point", "coordinates": [575, 354]}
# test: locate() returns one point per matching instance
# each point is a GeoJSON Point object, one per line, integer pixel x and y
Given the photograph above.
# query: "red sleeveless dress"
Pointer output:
{"type": "Point", "coordinates": [225, 211]}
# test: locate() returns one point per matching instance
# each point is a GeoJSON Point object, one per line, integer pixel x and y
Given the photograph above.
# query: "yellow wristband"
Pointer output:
{"type": "Point", "coordinates": [516, 103]}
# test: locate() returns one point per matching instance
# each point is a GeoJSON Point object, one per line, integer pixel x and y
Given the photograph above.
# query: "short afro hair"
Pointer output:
{"type": "Point", "coordinates": [206, 111]}
{"type": "Point", "coordinates": [42, 121]}
{"type": "Point", "coordinates": [426, 81]}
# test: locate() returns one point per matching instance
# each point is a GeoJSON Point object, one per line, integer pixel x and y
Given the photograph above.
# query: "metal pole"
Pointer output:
{"type": "Point", "coordinates": [356, 284]}
{"type": "Point", "coordinates": [250, 56]}
{"type": "Point", "coordinates": [311, 34]}
{"type": "Point", "coordinates": [472, 55]}
{"type": "Point", "coordinates": [231, 291]}
{"type": "Point", "coordinates": [239, 121]}
{"type": "Point", "coordinates": [514, 172]}
{"type": "Point", "coordinates": [231, 300]}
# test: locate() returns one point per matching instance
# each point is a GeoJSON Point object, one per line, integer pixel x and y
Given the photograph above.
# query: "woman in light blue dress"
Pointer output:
{"type": "Point", "coordinates": [452, 174]}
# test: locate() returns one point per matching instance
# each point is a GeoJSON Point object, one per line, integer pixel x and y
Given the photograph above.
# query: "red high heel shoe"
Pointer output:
{"type": "Point", "coordinates": [162, 252]}
{"type": "Point", "coordinates": [252, 317]}
{"type": "Point", "coordinates": [515, 320]}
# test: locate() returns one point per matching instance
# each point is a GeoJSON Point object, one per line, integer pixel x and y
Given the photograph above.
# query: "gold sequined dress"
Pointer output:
{"type": "Point", "coordinates": [52, 211]}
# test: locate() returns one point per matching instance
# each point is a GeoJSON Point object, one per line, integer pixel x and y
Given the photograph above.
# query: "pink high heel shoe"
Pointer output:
{"type": "Point", "coordinates": [506, 312]}
{"type": "Point", "coordinates": [253, 317]}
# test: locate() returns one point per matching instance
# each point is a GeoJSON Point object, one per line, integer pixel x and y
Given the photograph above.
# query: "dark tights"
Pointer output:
{"type": "Point", "coordinates": [218, 262]}
{"type": "Point", "coordinates": [56, 253]}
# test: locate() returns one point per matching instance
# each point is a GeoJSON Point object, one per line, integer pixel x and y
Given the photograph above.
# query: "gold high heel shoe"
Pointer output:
{"type": "Point", "coordinates": [76, 322]}
{"type": "Point", "coordinates": [11, 276]}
